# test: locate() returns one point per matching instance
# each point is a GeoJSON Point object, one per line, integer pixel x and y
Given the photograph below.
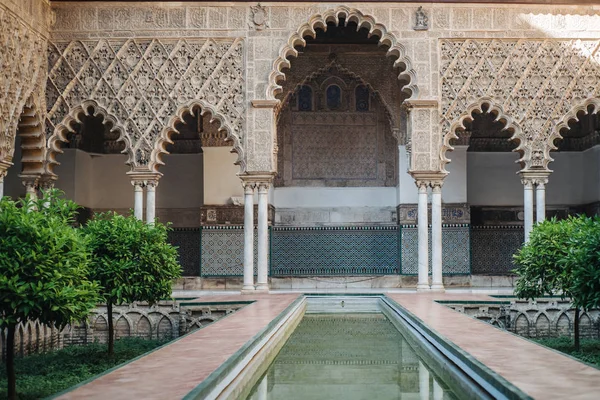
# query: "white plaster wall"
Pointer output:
{"type": "Point", "coordinates": [110, 186]}
{"type": "Point", "coordinates": [455, 184]}
{"type": "Point", "coordinates": [220, 176]}
{"type": "Point", "coordinates": [182, 183]}
{"type": "Point", "coordinates": [84, 168]}
{"type": "Point", "coordinates": [492, 179]}
{"type": "Point", "coordinates": [315, 197]}
{"type": "Point", "coordinates": [407, 190]}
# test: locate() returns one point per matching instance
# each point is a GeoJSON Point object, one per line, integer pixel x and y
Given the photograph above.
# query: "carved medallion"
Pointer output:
{"type": "Point", "coordinates": [259, 17]}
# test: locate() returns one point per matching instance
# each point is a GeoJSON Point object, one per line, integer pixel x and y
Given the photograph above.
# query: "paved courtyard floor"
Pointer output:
{"type": "Point", "coordinates": [174, 370]}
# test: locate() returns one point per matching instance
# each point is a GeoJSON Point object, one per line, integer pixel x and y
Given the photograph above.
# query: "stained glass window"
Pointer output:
{"type": "Point", "coordinates": [305, 98]}
{"type": "Point", "coordinates": [334, 97]}
{"type": "Point", "coordinates": [361, 93]}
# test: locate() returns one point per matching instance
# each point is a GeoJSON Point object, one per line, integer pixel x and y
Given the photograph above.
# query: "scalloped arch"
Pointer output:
{"type": "Point", "coordinates": [61, 130]}
{"type": "Point", "coordinates": [319, 21]}
{"type": "Point", "coordinates": [478, 108]}
{"type": "Point", "coordinates": [33, 141]}
{"type": "Point", "coordinates": [189, 108]}
{"type": "Point", "coordinates": [573, 115]}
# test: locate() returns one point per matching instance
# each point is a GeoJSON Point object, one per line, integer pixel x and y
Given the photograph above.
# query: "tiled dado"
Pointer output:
{"type": "Point", "coordinates": [458, 213]}
{"type": "Point", "coordinates": [229, 214]}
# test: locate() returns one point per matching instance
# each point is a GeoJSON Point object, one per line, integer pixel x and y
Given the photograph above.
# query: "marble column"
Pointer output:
{"type": "Point", "coordinates": [138, 199]}
{"type": "Point", "coordinates": [436, 237]}
{"type": "Point", "coordinates": [248, 237]}
{"type": "Point", "coordinates": [423, 238]}
{"type": "Point", "coordinates": [540, 200]}
{"type": "Point", "coordinates": [151, 201]}
{"type": "Point", "coordinates": [2, 175]}
{"type": "Point", "coordinates": [30, 183]}
{"type": "Point", "coordinates": [262, 281]}
{"type": "Point", "coordinates": [528, 206]}
{"type": "Point", "coordinates": [423, 382]}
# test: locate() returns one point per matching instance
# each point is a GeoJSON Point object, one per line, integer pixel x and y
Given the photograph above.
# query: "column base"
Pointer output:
{"type": "Point", "coordinates": [262, 287]}
{"type": "Point", "coordinates": [423, 287]}
{"type": "Point", "coordinates": [439, 288]}
{"type": "Point", "coordinates": [261, 290]}
{"type": "Point", "coordinates": [248, 290]}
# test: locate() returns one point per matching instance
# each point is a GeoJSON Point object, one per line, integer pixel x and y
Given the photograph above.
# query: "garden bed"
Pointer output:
{"type": "Point", "coordinates": [590, 348]}
{"type": "Point", "coordinates": [43, 375]}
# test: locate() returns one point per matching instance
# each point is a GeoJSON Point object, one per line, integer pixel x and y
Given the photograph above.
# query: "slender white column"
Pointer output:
{"type": "Point", "coordinates": [248, 237]}
{"type": "Point", "coordinates": [436, 237]}
{"type": "Point", "coordinates": [151, 201]}
{"type": "Point", "coordinates": [540, 201]}
{"type": "Point", "coordinates": [2, 174]}
{"type": "Point", "coordinates": [423, 238]}
{"type": "Point", "coordinates": [423, 382]}
{"type": "Point", "coordinates": [138, 199]}
{"type": "Point", "coordinates": [528, 207]}
{"type": "Point", "coordinates": [262, 282]}
{"type": "Point", "coordinates": [30, 184]}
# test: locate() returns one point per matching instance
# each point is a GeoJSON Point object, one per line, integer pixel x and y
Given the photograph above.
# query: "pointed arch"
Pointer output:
{"type": "Point", "coordinates": [484, 105]}
{"type": "Point", "coordinates": [89, 108]}
{"type": "Point", "coordinates": [192, 108]}
{"type": "Point", "coordinates": [319, 21]}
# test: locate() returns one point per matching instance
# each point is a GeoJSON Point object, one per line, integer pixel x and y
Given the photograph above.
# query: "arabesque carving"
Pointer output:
{"type": "Point", "coordinates": [22, 77]}
{"type": "Point", "coordinates": [396, 49]}
{"type": "Point", "coordinates": [145, 85]}
{"type": "Point", "coordinates": [536, 82]}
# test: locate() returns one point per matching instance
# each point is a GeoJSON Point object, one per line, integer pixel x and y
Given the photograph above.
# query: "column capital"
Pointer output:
{"type": "Point", "coordinates": [46, 182]}
{"type": "Point", "coordinates": [257, 180]}
{"type": "Point", "coordinates": [428, 178]}
{"type": "Point", "coordinates": [437, 186]}
{"type": "Point", "coordinates": [4, 166]}
{"type": "Point", "coordinates": [144, 179]}
{"type": "Point", "coordinates": [537, 178]}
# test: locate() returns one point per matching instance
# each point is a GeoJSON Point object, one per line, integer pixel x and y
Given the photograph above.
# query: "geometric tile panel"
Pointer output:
{"type": "Point", "coordinates": [456, 258]}
{"type": "Point", "coordinates": [326, 251]}
{"type": "Point", "coordinates": [187, 241]}
{"type": "Point", "coordinates": [493, 248]}
{"type": "Point", "coordinates": [223, 251]}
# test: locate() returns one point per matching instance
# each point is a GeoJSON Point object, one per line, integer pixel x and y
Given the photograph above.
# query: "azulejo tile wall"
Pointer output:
{"type": "Point", "coordinates": [456, 258]}
{"type": "Point", "coordinates": [222, 252]}
{"type": "Point", "coordinates": [321, 251]}
{"type": "Point", "coordinates": [187, 241]}
{"type": "Point", "coordinates": [493, 248]}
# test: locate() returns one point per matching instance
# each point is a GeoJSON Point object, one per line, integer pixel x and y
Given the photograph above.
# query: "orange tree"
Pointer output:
{"type": "Point", "coordinates": [131, 260]}
{"type": "Point", "coordinates": [43, 268]}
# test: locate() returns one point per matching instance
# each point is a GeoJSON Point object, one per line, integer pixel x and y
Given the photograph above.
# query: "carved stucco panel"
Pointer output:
{"type": "Point", "coordinates": [535, 83]}
{"type": "Point", "coordinates": [144, 83]}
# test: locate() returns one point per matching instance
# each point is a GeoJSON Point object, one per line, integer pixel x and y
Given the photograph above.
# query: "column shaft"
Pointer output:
{"type": "Point", "coordinates": [436, 238]}
{"type": "Point", "coordinates": [248, 237]}
{"type": "Point", "coordinates": [1, 185]}
{"type": "Point", "coordinates": [262, 281]}
{"type": "Point", "coordinates": [528, 207]}
{"type": "Point", "coordinates": [423, 238]}
{"type": "Point", "coordinates": [540, 202]}
{"type": "Point", "coordinates": [150, 202]}
{"type": "Point", "coordinates": [138, 200]}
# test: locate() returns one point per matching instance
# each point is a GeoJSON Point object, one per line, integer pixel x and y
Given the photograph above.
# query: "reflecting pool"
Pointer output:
{"type": "Point", "coordinates": [349, 356]}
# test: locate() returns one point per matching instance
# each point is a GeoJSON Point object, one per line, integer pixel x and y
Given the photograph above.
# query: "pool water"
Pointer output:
{"type": "Point", "coordinates": [349, 356]}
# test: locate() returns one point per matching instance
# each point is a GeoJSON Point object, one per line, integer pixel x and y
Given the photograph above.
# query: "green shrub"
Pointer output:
{"type": "Point", "coordinates": [131, 260]}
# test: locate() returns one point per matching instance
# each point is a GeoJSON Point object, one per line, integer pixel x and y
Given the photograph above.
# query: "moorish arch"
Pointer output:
{"type": "Point", "coordinates": [589, 107]}
{"type": "Point", "coordinates": [484, 105]}
{"type": "Point", "coordinates": [194, 108]}
{"type": "Point", "coordinates": [88, 108]}
{"type": "Point", "coordinates": [30, 130]}
{"type": "Point", "coordinates": [320, 21]}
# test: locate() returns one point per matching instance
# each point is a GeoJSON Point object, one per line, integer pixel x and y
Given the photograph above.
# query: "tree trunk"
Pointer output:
{"type": "Point", "coordinates": [111, 330]}
{"type": "Point", "coordinates": [576, 330]}
{"type": "Point", "coordinates": [10, 362]}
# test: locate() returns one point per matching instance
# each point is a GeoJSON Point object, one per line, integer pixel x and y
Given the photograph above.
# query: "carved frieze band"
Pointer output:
{"type": "Point", "coordinates": [458, 213]}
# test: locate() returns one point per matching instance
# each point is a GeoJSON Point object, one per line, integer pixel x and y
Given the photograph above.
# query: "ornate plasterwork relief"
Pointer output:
{"type": "Point", "coordinates": [296, 39]}
{"type": "Point", "coordinates": [534, 82]}
{"type": "Point", "coordinates": [589, 106]}
{"type": "Point", "coordinates": [22, 76]}
{"type": "Point", "coordinates": [148, 85]}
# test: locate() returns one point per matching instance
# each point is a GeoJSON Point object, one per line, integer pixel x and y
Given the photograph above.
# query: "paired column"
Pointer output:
{"type": "Point", "coordinates": [261, 184]}
{"type": "Point", "coordinates": [4, 166]}
{"type": "Point", "coordinates": [248, 237]}
{"type": "Point", "coordinates": [144, 182]}
{"type": "Point", "coordinates": [424, 181]}
{"type": "Point", "coordinates": [423, 237]}
{"type": "Point", "coordinates": [533, 181]}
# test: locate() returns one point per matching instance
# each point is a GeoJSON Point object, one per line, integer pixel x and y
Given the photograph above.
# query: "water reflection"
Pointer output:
{"type": "Point", "coordinates": [350, 356]}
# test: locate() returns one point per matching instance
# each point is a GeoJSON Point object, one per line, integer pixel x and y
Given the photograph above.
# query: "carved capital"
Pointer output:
{"type": "Point", "coordinates": [141, 180]}
{"type": "Point", "coordinates": [531, 179]}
